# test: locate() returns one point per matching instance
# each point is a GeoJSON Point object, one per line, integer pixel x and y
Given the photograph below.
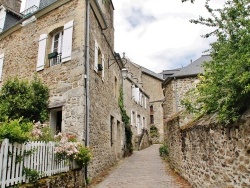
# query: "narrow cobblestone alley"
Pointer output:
{"type": "Point", "coordinates": [144, 169]}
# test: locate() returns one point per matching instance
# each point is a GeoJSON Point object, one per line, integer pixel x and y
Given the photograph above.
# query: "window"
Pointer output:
{"type": "Point", "coordinates": [116, 91]}
{"type": "Point", "coordinates": [56, 120]}
{"type": "Point", "coordinates": [132, 118]}
{"type": "Point", "coordinates": [143, 122]}
{"type": "Point", "coordinates": [61, 46]}
{"type": "Point", "coordinates": [151, 109]}
{"type": "Point", "coordinates": [138, 124]}
{"type": "Point", "coordinates": [151, 119]}
{"type": "Point", "coordinates": [56, 50]}
{"type": "Point", "coordinates": [29, 6]}
{"type": "Point", "coordinates": [111, 130]}
{"type": "Point", "coordinates": [1, 65]}
{"type": "Point", "coordinates": [99, 61]}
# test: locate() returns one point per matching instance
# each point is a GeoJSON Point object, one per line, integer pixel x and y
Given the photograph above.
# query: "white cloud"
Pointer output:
{"type": "Point", "coordinates": [158, 34]}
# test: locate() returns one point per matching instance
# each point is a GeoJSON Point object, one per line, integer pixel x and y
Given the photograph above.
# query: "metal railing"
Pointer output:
{"type": "Point", "coordinates": [29, 11]}
{"type": "Point", "coordinates": [56, 60]}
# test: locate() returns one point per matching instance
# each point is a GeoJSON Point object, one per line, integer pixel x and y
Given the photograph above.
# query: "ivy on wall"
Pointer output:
{"type": "Point", "coordinates": [125, 119]}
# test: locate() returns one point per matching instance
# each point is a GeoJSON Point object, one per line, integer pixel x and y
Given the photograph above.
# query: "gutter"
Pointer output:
{"type": "Point", "coordinates": [86, 79]}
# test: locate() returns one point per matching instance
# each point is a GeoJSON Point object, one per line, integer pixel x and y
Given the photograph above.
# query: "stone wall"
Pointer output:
{"type": "Point", "coordinates": [71, 179]}
{"type": "Point", "coordinates": [211, 156]}
{"type": "Point", "coordinates": [106, 126]}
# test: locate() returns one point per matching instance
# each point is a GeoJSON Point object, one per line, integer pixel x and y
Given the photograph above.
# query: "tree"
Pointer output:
{"type": "Point", "coordinates": [225, 85]}
{"type": "Point", "coordinates": [20, 98]}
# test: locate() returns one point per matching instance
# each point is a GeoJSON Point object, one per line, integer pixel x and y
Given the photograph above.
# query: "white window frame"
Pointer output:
{"type": "Point", "coordinates": [60, 41]}
{"type": "Point", "coordinates": [57, 60]}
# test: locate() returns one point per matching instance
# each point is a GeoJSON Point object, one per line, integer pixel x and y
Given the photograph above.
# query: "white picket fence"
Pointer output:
{"type": "Point", "coordinates": [13, 159]}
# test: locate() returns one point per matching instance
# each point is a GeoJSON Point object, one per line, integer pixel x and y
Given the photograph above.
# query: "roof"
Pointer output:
{"type": "Point", "coordinates": [149, 72]}
{"type": "Point", "coordinates": [167, 73]}
{"type": "Point", "coordinates": [193, 68]}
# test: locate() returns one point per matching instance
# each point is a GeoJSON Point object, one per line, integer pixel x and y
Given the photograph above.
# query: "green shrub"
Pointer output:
{"type": "Point", "coordinates": [83, 156]}
{"type": "Point", "coordinates": [20, 98]}
{"type": "Point", "coordinates": [153, 131]}
{"type": "Point", "coordinates": [163, 150]}
{"type": "Point", "coordinates": [16, 131]}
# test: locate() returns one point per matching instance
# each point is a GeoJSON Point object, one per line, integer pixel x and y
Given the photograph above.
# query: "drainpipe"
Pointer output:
{"type": "Point", "coordinates": [175, 93]}
{"type": "Point", "coordinates": [86, 77]}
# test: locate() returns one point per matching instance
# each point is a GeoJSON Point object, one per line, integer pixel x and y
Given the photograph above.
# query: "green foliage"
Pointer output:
{"type": "Point", "coordinates": [31, 174]}
{"type": "Point", "coordinates": [83, 156]}
{"type": "Point", "coordinates": [154, 131]}
{"type": "Point", "coordinates": [225, 85]}
{"type": "Point", "coordinates": [15, 131]}
{"type": "Point", "coordinates": [163, 150]}
{"type": "Point", "coordinates": [19, 98]}
{"type": "Point", "coordinates": [125, 119]}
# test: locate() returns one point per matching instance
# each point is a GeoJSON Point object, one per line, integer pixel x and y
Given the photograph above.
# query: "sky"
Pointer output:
{"type": "Point", "coordinates": [158, 35]}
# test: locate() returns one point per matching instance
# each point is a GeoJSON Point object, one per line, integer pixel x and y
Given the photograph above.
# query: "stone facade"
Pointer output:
{"type": "Point", "coordinates": [136, 105]}
{"type": "Point", "coordinates": [152, 85]}
{"type": "Point", "coordinates": [208, 155]}
{"type": "Point", "coordinates": [20, 47]}
{"type": "Point", "coordinates": [175, 91]}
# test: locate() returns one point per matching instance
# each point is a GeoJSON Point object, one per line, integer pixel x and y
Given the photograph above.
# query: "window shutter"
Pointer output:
{"type": "Point", "coordinates": [103, 68]}
{"type": "Point", "coordinates": [67, 41]}
{"type": "Point", "coordinates": [137, 94]}
{"type": "Point", "coordinates": [96, 56]}
{"type": "Point", "coordinates": [1, 65]}
{"type": "Point", "coordinates": [2, 18]}
{"type": "Point", "coordinates": [41, 52]}
{"type": "Point", "coordinates": [145, 102]}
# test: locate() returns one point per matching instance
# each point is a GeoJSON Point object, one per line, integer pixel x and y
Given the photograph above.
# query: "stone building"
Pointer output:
{"type": "Point", "coordinates": [144, 86]}
{"type": "Point", "coordinates": [136, 102]}
{"type": "Point", "coordinates": [152, 85]}
{"type": "Point", "coordinates": [181, 81]}
{"type": "Point", "coordinates": [69, 44]}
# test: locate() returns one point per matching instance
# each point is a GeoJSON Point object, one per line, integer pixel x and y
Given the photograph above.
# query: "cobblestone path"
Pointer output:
{"type": "Point", "coordinates": [144, 169]}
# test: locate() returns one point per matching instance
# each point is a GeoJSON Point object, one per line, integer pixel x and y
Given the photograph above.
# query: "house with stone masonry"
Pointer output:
{"type": "Point", "coordinates": [178, 82]}
{"type": "Point", "coordinates": [143, 93]}
{"type": "Point", "coordinates": [136, 102]}
{"type": "Point", "coordinates": [151, 83]}
{"type": "Point", "coordinates": [69, 44]}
